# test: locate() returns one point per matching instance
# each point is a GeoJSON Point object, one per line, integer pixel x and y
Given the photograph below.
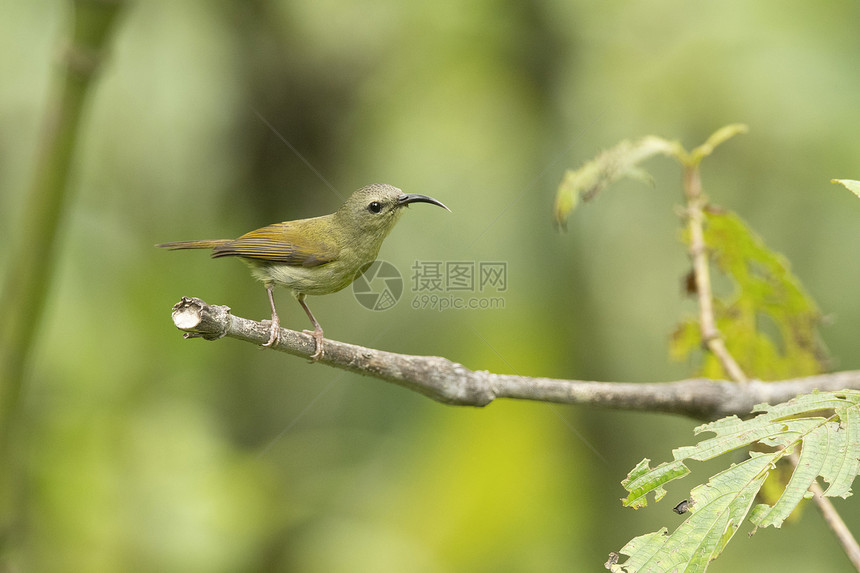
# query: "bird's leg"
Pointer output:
{"type": "Point", "coordinates": [276, 322]}
{"type": "Point", "coordinates": [317, 332]}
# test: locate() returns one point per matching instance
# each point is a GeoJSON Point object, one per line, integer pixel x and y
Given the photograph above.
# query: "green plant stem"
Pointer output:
{"type": "Point", "coordinates": [711, 337]}
{"type": "Point", "coordinates": [31, 263]}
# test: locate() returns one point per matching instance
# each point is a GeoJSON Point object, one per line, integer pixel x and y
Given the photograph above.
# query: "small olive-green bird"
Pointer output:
{"type": "Point", "coordinates": [320, 255]}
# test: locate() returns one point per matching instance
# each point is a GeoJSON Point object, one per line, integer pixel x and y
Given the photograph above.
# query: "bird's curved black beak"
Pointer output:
{"type": "Point", "coordinates": [405, 199]}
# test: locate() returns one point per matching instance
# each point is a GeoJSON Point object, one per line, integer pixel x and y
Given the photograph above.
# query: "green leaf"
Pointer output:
{"type": "Point", "coordinates": [826, 427]}
{"type": "Point", "coordinates": [841, 474]}
{"type": "Point", "coordinates": [610, 166]}
{"type": "Point", "coordinates": [769, 322]}
{"type": "Point", "coordinates": [718, 509]}
{"type": "Point", "coordinates": [851, 185]}
{"type": "Point", "coordinates": [640, 549]}
{"type": "Point", "coordinates": [642, 480]}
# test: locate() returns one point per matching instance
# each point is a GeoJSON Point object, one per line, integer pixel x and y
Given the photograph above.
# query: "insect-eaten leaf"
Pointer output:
{"type": "Point", "coordinates": [769, 322]}
{"type": "Point", "coordinates": [824, 426]}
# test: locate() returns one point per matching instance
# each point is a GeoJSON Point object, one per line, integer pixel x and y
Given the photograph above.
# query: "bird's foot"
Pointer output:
{"type": "Point", "coordinates": [275, 333]}
{"type": "Point", "coordinates": [317, 335]}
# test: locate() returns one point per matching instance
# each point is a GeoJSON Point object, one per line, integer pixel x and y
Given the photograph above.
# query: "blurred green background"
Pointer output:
{"type": "Point", "coordinates": [150, 453]}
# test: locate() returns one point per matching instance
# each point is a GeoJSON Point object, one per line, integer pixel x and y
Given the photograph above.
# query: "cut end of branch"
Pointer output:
{"type": "Point", "coordinates": [197, 318]}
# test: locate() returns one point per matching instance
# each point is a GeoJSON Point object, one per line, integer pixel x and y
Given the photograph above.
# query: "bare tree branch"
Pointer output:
{"type": "Point", "coordinates": [451, 383]}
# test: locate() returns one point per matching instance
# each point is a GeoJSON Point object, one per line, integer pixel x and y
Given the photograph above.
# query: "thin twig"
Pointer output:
{"type": "Point", "coordinates": [451, 383]}
{"type": "Point", "coordinates": [832, 518]}
{"type": "Point", "coordinates": [837, 525]}
{"type": "Point", "coordinates": [698, 249]}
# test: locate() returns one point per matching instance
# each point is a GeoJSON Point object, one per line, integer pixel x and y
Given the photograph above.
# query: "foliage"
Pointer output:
{"type": "Point", "coordinates": [623, 161]}
{"type": "Point", "coordinates": [824, 426]}
{"type": "Point", "coordinates": [613, 164]}
{"type": "Point", "coordinates": [147, 453]}
{"type": "Point", "coordinates": [853, 186]}
{"type": "Point", "coordinates": [769, 325]}
{"type": "Point", "coordinates": [769, 322]}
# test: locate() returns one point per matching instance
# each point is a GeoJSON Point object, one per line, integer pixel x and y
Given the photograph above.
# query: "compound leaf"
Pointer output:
{"type": "Point", "coordinates": [826, 428]}
{"type": "Point", "coordinates": [613, 164]}
{"type": "Point", "coordinates": [769, 322]}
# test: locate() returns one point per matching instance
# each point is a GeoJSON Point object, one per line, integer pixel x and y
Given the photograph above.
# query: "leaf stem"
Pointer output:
{"type": "Point", "coordinates": [711, 337]}
{"type": "Point", "coordinates": [837, 525]}
{"type": "Point", "coordinates": [833, 519]}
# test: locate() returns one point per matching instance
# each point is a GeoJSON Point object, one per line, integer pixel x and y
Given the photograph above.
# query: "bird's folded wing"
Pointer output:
{"type": "Point", "coordinates": [279, 244]}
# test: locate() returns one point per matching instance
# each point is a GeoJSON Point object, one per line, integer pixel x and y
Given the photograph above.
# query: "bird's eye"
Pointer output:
{"type": "Point", "coordinates": [374, 207]}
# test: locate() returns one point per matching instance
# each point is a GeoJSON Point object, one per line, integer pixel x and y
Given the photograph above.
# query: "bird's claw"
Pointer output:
{"type": "Point", "coordinates": [274, 335]}
{"type": "Point", "coordinates": [317, 335]}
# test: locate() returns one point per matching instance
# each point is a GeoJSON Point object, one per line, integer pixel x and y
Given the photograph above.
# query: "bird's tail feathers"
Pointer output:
{"type": "Point", "coordinates": [193, 244]}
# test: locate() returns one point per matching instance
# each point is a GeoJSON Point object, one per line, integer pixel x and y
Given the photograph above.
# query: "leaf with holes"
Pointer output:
{"type": "Point", "coordinates": [768, 320]}
{"type": "Point", "coordinates": [825, 427]}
